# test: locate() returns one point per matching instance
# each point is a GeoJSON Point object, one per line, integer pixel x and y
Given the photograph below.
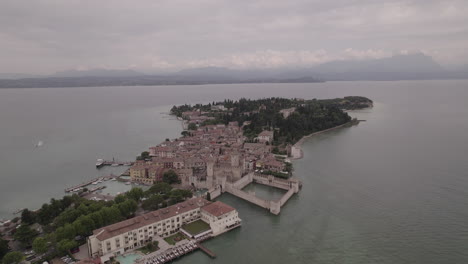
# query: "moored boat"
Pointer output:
{"type": "Point", "coordinates": [99, 163]}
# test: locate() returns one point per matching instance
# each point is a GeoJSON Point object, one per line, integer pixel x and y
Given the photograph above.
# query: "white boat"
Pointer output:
{"type": "Point", "coordinates": [99, 163]}
{"type": "Point", "coordinates": [128, 183]}
{"type": "Point", "coordinates": [39, 144]}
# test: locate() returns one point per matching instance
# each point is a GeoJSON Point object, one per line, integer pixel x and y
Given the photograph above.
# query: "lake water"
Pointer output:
{"type": "Point", "coordinates": [393, 189]}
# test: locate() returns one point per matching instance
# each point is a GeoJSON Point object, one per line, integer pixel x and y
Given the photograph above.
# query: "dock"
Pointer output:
{"type": "Point", "coordinates": [93, 181]}
{"type": "Point", "coordinates": [207, 251]}
{"type": "Point", "coordinates": [169, 255]}
{"type": "Point", "coordinates": [113, 163]}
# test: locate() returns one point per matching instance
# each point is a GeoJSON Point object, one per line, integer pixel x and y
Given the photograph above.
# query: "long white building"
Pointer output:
{"type": "Point", "coordinates": [133, 233]}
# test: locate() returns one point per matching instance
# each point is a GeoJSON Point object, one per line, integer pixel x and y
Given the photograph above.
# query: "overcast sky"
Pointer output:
{"type": "Point", "coordinates": [44, 36]}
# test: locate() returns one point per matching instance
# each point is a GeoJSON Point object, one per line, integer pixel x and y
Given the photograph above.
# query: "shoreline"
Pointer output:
{"type": "Point", "coordinates": [296, 149]}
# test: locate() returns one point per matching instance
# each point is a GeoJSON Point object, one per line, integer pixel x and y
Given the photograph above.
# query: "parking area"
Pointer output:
{"type": "Point", "coordinates": [83, 253]}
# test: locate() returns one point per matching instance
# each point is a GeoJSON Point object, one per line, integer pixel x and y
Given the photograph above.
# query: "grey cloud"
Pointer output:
{"type": "Point", "coordinates": [44, 36]}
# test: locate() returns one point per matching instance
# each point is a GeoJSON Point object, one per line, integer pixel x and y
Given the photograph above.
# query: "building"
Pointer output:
{"type": "Point", "coordinates": [287, 112]}
{"type": "Point", "coordinates": [125, 236]}
{"type": "Point", "coordinates": [162, 152]}
{"type": "Point", "coordinates": [272, 164]}
{"type": "Point", "coordinates": [265, 136]}
{"type": "Point", "coordinates": [146, 173]}
{"type": "Point", "coordinates": [218, 108]}
{"type": "Point", "coordinates": [220, 216]}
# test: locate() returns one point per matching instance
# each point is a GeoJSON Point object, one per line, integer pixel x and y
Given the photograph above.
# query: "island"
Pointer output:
{"type": "Point", "coordinates": [223, 147]}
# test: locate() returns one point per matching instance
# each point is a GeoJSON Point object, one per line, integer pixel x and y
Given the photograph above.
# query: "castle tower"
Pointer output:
{"type": "Point", "coordinates": [209, 173]}
{"type": "Point", "coordinates": [235, 160]}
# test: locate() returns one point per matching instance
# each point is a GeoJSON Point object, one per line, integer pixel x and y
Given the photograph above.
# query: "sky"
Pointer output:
{"type": "Point", "coordinates": [46, 36]}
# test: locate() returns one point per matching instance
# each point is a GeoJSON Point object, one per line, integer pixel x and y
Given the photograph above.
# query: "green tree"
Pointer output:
{"type": "Point", "coordinates": [144, 155]}
{"type": "Point", "coordinates": [181, 193]}
{"type": "Point", "coordinates": [66, 232]}
{"type": "Point", "coordinates": [120, 198]}
{"type": "Point", "coordinates": [64, 246]}
{"type": "Point", "coordinates": [192, 126]}
{"type": "Point", "coordinates": [25, 235]}
{"type": "Point", "coordinates": [128, 207]}
{"type": "Point", "coordinates": [135, 194]}
{"type": "Point", "coordinates": [159, 188]}
{"type": "Point", "coordinates": [3, 247]}
{"type": "Point", "coordinates": [97, 219]}
{"type": "Point", "coordinates": [87, 224]}
{"type": "Point", "coordinates": [171, 177]}
{"type": "Point", "coordinates": [39, 245]}
{"type": "Point", "coordinates": [110, 215]}
{"type": "Point", "coordinates": [153, 202]}
{"type": "Point", "coordinates": [27, 217]}
{"type": "Point", "coordinates": [13, 257]}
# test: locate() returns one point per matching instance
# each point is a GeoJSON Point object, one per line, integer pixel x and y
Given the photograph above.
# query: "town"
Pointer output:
{"type": "Point", "coordinates": [224, 147]}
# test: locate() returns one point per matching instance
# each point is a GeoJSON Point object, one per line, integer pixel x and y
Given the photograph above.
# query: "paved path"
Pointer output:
{"type": "Point", "coordinates": [164, 246]}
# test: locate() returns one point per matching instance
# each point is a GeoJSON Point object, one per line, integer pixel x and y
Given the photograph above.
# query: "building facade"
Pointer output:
{"type": "Point", "coordinates": [125, 236]}
{"type": "Point", "coordinates": [220, 216]}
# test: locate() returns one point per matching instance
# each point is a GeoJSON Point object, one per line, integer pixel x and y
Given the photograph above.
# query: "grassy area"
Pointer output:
{"type": "Point", "coordinates": [174, 238]}
{"type": "Point", "coordinates": [196, 227]}
{"type": "Point", "coordinates": [150, 247]}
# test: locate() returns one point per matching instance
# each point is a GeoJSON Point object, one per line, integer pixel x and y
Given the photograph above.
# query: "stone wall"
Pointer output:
{"type": "Point", "coordinates": [286, 197]}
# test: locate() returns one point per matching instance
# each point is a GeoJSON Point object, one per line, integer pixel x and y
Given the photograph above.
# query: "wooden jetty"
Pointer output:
{"type": "Point", "coordinates": [207, 251]}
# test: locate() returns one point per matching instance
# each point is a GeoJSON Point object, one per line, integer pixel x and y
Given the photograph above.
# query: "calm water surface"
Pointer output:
{"type": "Point", "coordinates": [393, 189]}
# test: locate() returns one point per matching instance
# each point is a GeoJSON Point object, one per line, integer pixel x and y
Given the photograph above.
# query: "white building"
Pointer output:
{"type": "Point", "coordinates": [218, 107]}
{"type": "Point", "coordinates": [287, 112]}
{"type": "Point", "coordinates": [265, 136]}
{"type": "Point", "coordinates": [220, 216]}
{"type": "Point", "coordinates": [118, 238]}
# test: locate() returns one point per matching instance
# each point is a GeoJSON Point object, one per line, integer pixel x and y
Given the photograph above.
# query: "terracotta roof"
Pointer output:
{"type": "Point", "coordinates": [147, 219]}
{"type": "Point", "coordinates": [217, 208]}
{"type": "Point", "coordinates": [266, 133]}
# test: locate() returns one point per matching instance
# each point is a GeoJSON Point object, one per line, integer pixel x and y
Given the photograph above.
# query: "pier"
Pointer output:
{"type": "Point", "coordinates": [171, 254]}
{"type": "Point", "coordinates": [113, 163]}
{"type": "Point", "coordinates": [93, 181]}
{"type": "Point", "coordinates": [207, 251]}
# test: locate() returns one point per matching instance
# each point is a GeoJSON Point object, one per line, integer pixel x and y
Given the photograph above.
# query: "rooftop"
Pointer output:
{"type": "Point", "coordinates": [196, 227]}
{"type": "Point", "coordinates": [217, 208]}
{"type": "Point", "coordinates": [149, 218]}
{"type": "Point", "coordinates": [266, 133]}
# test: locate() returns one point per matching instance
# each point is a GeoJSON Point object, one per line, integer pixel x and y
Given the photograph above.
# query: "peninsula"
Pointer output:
{"type": "Point", "coordinates": [224, 147]}
{"type": "Point", "coordinates": [227, 145]}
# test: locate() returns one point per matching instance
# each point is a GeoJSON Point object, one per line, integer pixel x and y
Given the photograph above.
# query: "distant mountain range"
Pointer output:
{"type": "Point", "coordinates": [400, 67]}
{"type": "Point", "coordinates": [97, 73]}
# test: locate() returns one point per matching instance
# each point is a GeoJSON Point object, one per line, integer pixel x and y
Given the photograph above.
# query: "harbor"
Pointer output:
{"type": "Point", "coordinates": [173, 253]}
{"type": "Point", "coordinates": [170, 254]}
{"type": "Point", "coordinates": [94, 181]}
